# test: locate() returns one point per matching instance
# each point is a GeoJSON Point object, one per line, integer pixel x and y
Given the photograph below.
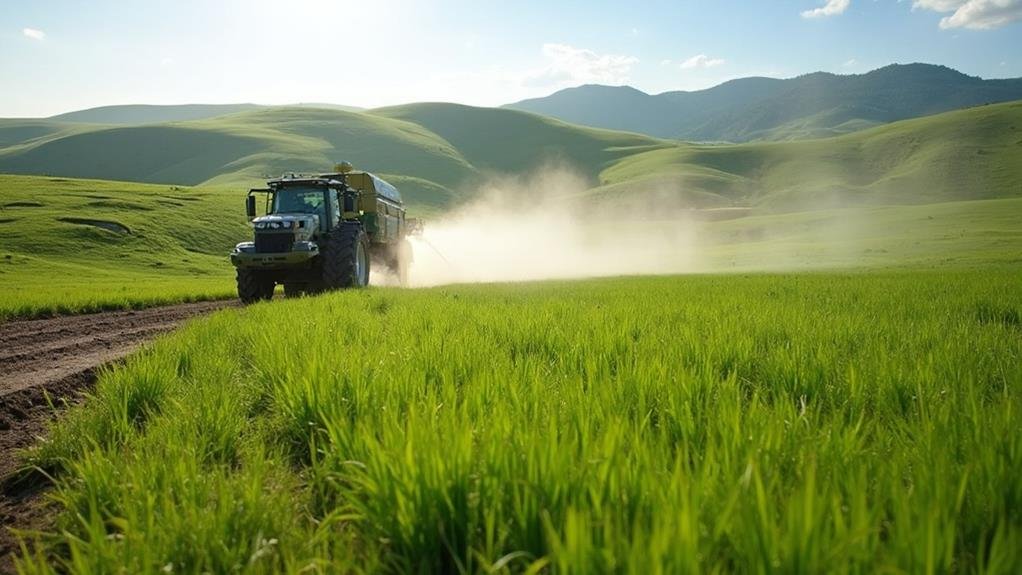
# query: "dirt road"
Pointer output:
{"type": "Point", "coordinates": [56, 359]}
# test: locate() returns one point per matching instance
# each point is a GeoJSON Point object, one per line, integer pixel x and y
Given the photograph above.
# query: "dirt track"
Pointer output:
{"type": "Point", "coordinates": [54, 360]}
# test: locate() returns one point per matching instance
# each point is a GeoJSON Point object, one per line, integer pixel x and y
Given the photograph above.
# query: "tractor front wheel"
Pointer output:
{"type": "Point", "coordinates": [346, 257]}
{"type": "Point", "coordinates": [253, 286]}
{"type": "Point", "coordinates": [292, 290]}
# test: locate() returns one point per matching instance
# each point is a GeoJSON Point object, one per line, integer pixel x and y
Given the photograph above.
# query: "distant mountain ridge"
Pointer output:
{"type": "Point", "coordinates": [809, 106]}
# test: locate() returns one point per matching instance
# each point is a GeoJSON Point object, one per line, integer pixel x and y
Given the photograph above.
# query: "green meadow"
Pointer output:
{"type": "Point", "coordinates": [814, 422]}
{"type": "Point", "coordinates": [74, 246]}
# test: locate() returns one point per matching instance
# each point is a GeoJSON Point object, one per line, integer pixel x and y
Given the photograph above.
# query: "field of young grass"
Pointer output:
{"type": "Point", "coordinates": [857, 422]}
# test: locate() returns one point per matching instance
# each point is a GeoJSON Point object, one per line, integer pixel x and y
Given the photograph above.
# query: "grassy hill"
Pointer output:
{"type": "Point", "coordinates": [83, 245]}
{"type": "Point", "coordinates": [151, 114]}
{"type": "Point", "coordinates": [511, 142]}
{"type": "Point", "coordinates": [962, 155]}
{"type": "Point", "coordinates": [810, 106]}
{"type": "Point", "coordinates": [439, 153]}
{"type": "Point", "coordinates": [434, 152]}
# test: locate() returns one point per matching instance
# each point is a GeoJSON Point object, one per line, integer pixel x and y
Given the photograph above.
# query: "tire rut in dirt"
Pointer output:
{"type": "Point", "coordinates": [24, 416]}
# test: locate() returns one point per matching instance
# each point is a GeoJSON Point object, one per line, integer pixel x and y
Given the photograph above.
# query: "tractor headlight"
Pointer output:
{"type": "Point", "coordinates": [260, 225]}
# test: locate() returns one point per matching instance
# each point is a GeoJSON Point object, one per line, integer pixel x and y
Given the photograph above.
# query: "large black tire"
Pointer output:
{"type": "Point", "coordinates": [292, 290]}
{"type": "Point", "coordinates": [346, 257]}
{"type": "Point", "coordinates": [253, 286]}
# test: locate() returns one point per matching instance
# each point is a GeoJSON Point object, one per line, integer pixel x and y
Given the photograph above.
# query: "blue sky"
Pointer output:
{"type": "Point", "coordinates": [62, 55]}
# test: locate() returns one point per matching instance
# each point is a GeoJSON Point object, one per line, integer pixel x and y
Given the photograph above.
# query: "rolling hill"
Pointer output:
{"type": "Point", "coordinates": [434, 152]}
{"type": "Point", "coordinates": [85, 245]}
{"type": "Point", "coordinates": [151, 114]}
{"type": "Point", "coordinates": [134, 114]}
{"type": "Point", "coordinates": [962, 155]}
{"type": "Point", "coordinates": [810, 106]}
{"type": "Point", "coordinates": [440, 154]}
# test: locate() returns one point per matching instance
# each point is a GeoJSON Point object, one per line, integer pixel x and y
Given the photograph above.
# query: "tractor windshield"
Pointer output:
{"type": "Point", "coordinates": [300, 201]}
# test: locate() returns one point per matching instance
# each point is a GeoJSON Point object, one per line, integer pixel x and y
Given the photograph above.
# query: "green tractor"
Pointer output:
{"type": "Point", "coordinates": [322, 232]}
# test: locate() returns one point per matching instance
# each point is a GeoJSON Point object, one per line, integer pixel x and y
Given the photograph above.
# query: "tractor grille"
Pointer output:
{"type": "Point", "coordinates": [273, 243]}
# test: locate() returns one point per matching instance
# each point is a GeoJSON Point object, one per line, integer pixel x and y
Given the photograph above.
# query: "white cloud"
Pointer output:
{"type": "Point", "coordinates": [701, 61]}
{"type": "Point", "coordinates": [974, 14]}
{"type": "Point", "coordinates": [569, 66]}
{"type": "Point", "coordinates": [33, 33]}
{"type": "Point", "coordinates": [851, 63]}
{"type": "Point", "coordinates": [665, 62]}
{"type": "Point", "coordinates": [831, 8]}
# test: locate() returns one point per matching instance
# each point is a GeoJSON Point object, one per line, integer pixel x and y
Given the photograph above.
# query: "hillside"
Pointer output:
{"type": "Point", "coordinates": [810, 106]}
{"type": "Point", "coordinates": [84, 245]}
{"type": "Point", "coordinates": [963, 155]}
{"type": "Point", "coordinates": [433, 152]}
{"type": "Point", "coordinates": [505, 141]}
{"type": "Point", "coordinates": [151, 114]}
{"type": "Point", "coordinates": [440, 154]}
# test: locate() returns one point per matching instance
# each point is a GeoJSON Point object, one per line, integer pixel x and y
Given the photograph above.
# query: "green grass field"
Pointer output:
{"type": "Point", "coordinates": [83, 245]}
{"type": "Point", "coordinates": [855, 422]}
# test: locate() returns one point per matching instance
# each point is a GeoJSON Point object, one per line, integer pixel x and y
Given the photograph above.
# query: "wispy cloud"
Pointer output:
{"type": "Point", "coordinates": [701, 61]}
{"type": "Point", "coordinates": [851, 63]}
{"type": "Point", "coordinates": [33, 33]}
{"type": "Point", "coordinates": [830, 8]}
{"type": "Point", "coordinates": [974, 14]}
{"type": "Point", "coordinates": [568, 65]}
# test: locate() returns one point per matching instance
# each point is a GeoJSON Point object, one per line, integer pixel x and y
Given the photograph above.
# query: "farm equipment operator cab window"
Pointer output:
{"type": "Point", "coordinates": [299, 201]}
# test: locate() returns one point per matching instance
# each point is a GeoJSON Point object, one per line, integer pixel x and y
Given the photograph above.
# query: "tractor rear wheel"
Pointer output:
{"type": "Point", "coordinates": [346, 257]}
{"type": "Point", "coordinates": [253, 286]}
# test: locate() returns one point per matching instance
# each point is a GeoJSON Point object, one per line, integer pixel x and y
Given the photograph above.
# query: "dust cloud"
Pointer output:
{"type": "Point", "coordinates": [544, 227]}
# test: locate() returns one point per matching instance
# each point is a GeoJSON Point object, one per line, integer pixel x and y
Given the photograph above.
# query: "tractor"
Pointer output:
{"type": "Point", "coordinates": [322, 232]}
